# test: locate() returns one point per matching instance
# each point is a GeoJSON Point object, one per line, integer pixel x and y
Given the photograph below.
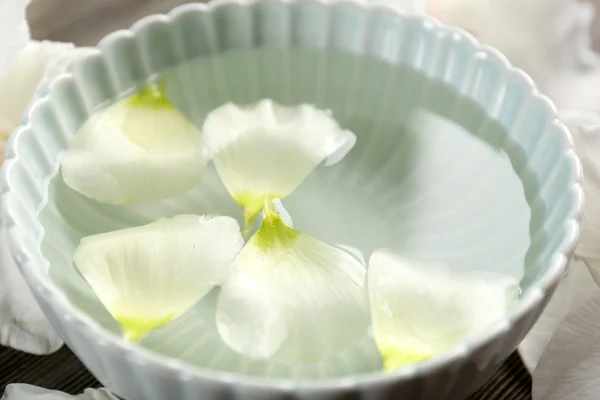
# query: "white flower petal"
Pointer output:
{"type": "Point", "coordinates": [141, 149]}
{"type": "Point", "coordinates": [23, 326]}
{"type": "Point", "coordinates": [14, 32]}
{"type": "Point", "coordinates": [342, 151]}
{"type": "Point", "coordinates": [318, 288]}
{"type": "Point", "coordinates": [146, 276]}
{"type": "Point", "coordinates": [283, 213]}
{"type": "Point", "coordinates": [577, 286]}
{"type": "Point", "coordinates": [355, 252]}
{"type": "Point", "coordinates": [569, 367]}
{"type": "Point", "coordinates": [28, 392]}
{"type": "Point", "coordinates": [419, 309]}
{"type": "Point", "coordinates": [585, 128]}
{"type": "Point", "coordinates": [34, 67]}
{"type": "Point", "coordinates": [249, 320]}
{"type": "Point", "coordinates": [266, 150]}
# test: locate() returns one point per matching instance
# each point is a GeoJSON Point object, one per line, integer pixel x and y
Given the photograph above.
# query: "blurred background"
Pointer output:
{"type": "Point", "coordinates": [85, 22]}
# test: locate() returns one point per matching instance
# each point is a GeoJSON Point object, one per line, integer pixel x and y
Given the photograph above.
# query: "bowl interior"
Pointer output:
{"type": "Point", "coordinates": [456, 160]}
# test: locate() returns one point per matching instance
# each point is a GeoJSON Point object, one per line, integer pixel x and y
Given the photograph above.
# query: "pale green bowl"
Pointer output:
{"type": "Point", "coordinates": [497, 189]}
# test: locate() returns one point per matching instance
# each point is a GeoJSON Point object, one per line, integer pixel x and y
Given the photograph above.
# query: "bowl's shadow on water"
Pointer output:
{"type": "Point", "coordinates": [442, 190]}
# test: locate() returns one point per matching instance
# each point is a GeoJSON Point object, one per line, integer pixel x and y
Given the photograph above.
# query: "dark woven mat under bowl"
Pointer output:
{"type": "Point", "coordinates": [63, 371]}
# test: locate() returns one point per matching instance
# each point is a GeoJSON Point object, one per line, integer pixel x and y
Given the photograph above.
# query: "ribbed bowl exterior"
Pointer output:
{"type": "Point", "coordinates": [122, 60]}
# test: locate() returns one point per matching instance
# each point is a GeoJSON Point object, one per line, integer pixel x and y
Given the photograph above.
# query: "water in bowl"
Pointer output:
{"type": "Point", "coordinates": [430, 175]}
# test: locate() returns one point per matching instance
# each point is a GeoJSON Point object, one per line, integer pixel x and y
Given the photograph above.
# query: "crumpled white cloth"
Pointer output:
{"type": "Point", "coordinates": [22, 324]}
{"type": "Point", "coordinates": [29, 392]}
{"type": "Point", "coordinates": [548, 39]}
{"type": "Point", "coordinates": [14, 31]}
{"type": "Point", "coordinates": [562, 350]}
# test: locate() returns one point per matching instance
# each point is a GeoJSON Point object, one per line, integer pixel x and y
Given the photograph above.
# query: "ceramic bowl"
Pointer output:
{"type": "Point", "coordinates": [458, 158]}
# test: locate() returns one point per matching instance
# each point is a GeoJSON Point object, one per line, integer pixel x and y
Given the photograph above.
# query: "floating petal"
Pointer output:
{"type": "Point", "coordinates": [318, 289]}
{"type": "Point", "coordinates": [146, 276]}
{"type": "Point", "coordinates": [355, 252]}
{"type": "Point", "coordinates": [283, 213]}
{"type": "Point", "coordinates": [342, 151]}
{"type": "Point", "coordinates": [266, 150]}
{"type": "Point", "coordinates": [249, 319]}
{"type": "Point", "coordinates": [141, 149]}
{"type": "Point", "coordinates": [420, 309]}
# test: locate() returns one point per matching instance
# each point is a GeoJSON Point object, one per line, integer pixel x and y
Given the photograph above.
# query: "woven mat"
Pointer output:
{"type": "Point", "coordinates": [63, 371]}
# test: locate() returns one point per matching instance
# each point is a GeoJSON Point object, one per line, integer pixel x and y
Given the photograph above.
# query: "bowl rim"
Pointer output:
{"type": "Point", "coordinates": [44, 287]}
